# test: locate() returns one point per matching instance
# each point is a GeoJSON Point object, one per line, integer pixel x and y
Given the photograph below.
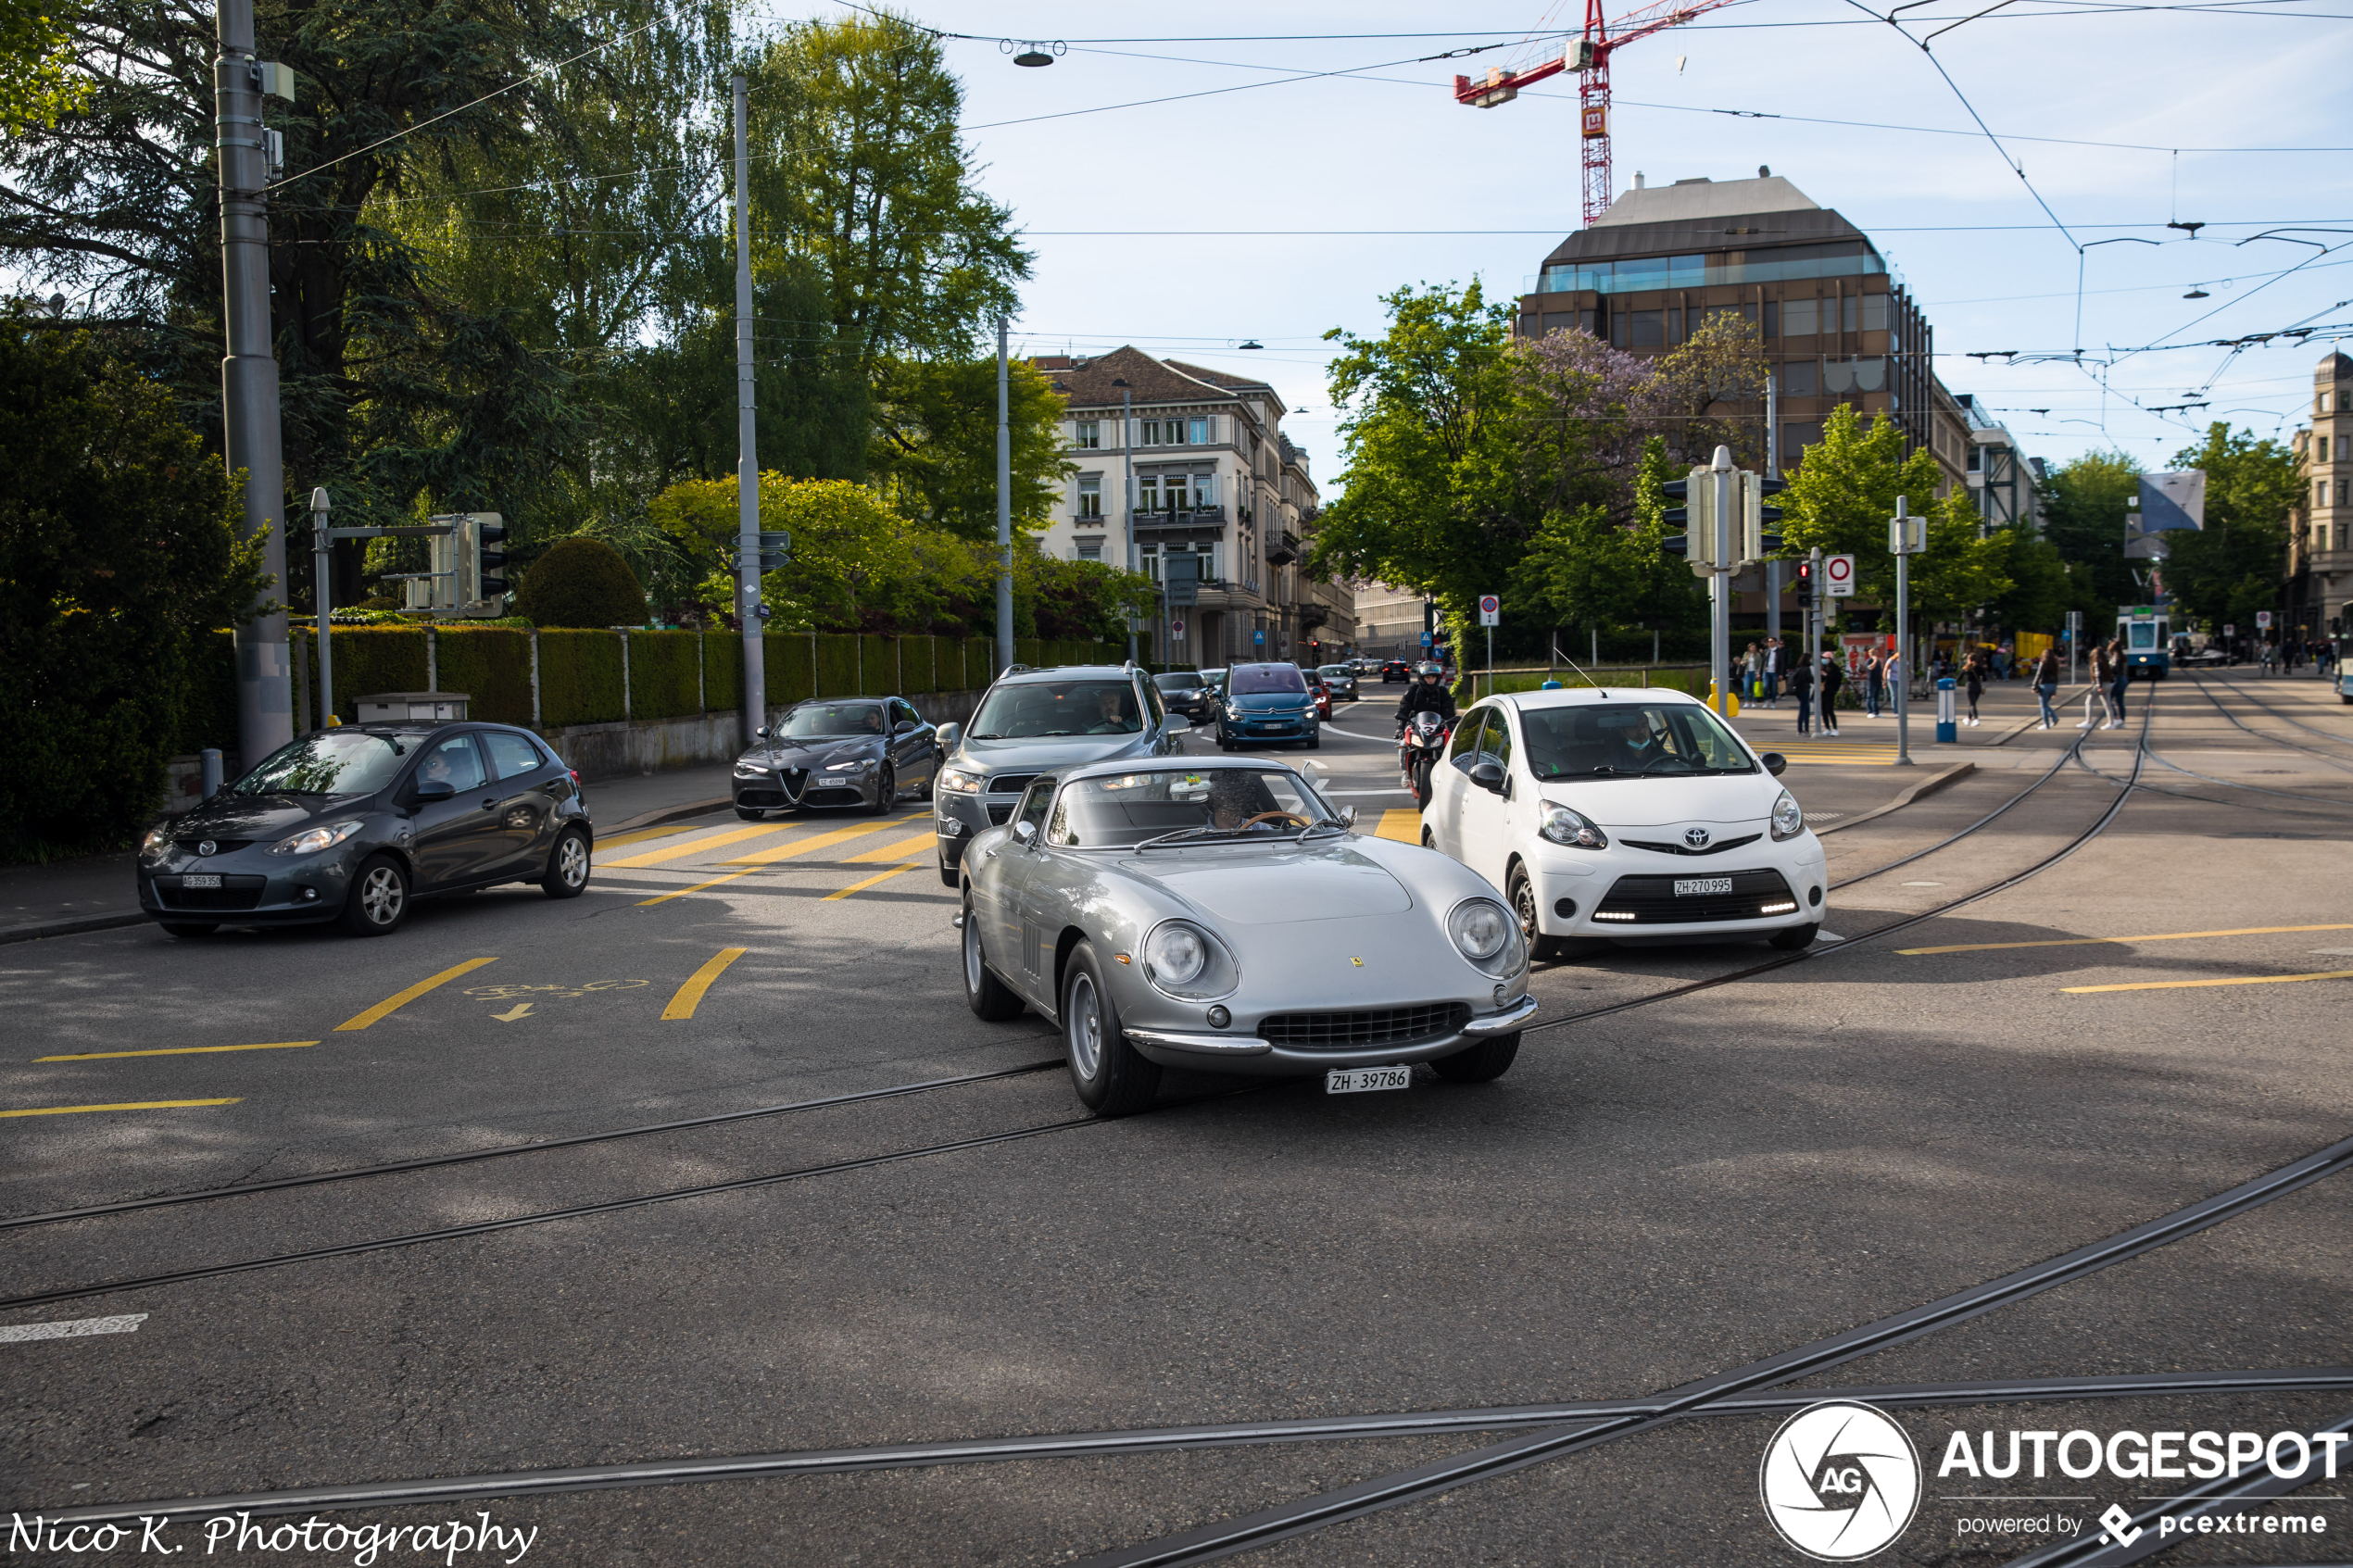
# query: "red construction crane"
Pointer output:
{"type": "Point", "coordinates": [1589, 56]}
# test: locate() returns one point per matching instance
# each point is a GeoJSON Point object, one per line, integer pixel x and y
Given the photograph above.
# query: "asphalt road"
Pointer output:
{"type": "Point", "coordinates": [1646, 1200]}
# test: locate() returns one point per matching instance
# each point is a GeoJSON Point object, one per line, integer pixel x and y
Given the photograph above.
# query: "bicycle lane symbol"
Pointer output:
{"type": "Point", "coordinates": [523, 1000]}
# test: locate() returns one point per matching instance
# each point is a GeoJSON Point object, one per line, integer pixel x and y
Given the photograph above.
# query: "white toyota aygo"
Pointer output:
{"type": "Point", "coordinates": [1634, 816]}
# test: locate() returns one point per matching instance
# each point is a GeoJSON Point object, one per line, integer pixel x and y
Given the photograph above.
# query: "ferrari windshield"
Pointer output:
{"type": "Point", "coordinates": [1624, 739]}
{"type": "Point", "coordinates": [1028, 710]}
{"type": "Point", "coordinates": [1121, 811]}
{"type": "Point", "coordinates": [332, 762]}
{"type": "Point", "coordinates": [824, 720]}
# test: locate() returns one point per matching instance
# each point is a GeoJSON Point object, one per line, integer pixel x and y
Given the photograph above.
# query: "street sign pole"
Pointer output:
{"type": "Point", "coordinates": [1720, 579]}
{"type": "Point", "coordinates": [1899, 529]}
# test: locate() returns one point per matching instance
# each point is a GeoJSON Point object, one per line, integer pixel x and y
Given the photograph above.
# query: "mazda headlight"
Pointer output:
{"type": "Point", "coordinates": [1185, 961]}
{"type": "Point", "coordinates": [1789, 819]}
{"type": "Point", "coordinates": [1573, 828]}
{"type": "Point", "coordinates": [312, 840]}
{"type": "Point", "coordinates": [158, 839]}
{"type": "Point", "coordinates": [957, 782]}
{"type": "Point", "coordinates": [1485, 934]}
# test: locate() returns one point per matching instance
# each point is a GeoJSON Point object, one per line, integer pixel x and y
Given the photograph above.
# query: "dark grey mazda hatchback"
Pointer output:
{"type": "Point", "coordinates": [355, 824]}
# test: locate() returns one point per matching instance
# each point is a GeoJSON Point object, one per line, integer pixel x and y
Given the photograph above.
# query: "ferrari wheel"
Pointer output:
{"type": "Point", "coordinates": [1111, 1077]}
{"type": "Point", "coordinates": [1484, 1064]}
{"type": "Point", "coordinates": [990, 998]}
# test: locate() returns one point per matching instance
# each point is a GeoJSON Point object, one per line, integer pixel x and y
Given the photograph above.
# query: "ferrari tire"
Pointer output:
{"type": "Point", "coordinates": [1483, 1063]}
{"type": "Point", "coordinates": [1112, 1078]}
{"type": "Point", "coordinates": [1796, 939]}
{"type": "Point", "coordinates": [1520, 893]}
{"type": "Point", "coordinates": [990, 998]}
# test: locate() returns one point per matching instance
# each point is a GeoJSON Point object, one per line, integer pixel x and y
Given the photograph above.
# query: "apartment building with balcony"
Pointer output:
{"type": "Point", "coordinates": [2001, 478]}
{"type": "Point", "coordinates": [1176, 459]}
{"type": "Point", "coordinates": [2320, 564]}
{"type": "Point", "coordinates": [1837, 323]}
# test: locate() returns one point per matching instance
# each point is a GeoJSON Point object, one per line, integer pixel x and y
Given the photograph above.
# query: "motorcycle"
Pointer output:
{"type": "Point", "coordinates": [1418, 750]}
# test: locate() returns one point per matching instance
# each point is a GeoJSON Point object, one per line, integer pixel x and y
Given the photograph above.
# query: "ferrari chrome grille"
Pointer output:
{"type": "Point", "coordinates": [1367, 1030]}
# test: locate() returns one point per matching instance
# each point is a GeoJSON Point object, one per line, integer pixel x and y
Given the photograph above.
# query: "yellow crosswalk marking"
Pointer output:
{"type": "Point", "coordinates": [861, 887]}
{"type": "Point", "coordinates": [695, 846]}
{"type": "Point", "coordinates": [820, 841]}
{"type": "Point", "coordinates": [1403, 823]}
{"type": "Point", "coordinates": [898, 848]}
{"type": "Point", "coordinates": [2192, 985]}
{"type": "Point", "coordinates": [644, 835]}
{"type": "Point", "coordinates": [2094, 941]}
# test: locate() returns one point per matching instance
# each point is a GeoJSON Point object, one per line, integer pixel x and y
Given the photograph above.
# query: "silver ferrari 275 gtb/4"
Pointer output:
{"type": "Point", "coordinates": [1218, 915]}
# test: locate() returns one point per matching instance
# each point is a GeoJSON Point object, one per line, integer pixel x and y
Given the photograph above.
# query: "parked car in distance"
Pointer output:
{"type": "Point", "coordinates": [865, 753]}
{"type": "Point", "coordinates": [356, 823]}
{"type": "Point", "coordinates": [1188, 691]}
{"type": "Point", "coordinates": [1267, 703]}
{"type": "Point", "coordinates": [1633, 816]}
{"type": "Point", "coordinates": [1395, 669]}
{"type": "Point", "coordinates": [1031, 721]}
{"type": "Point", "coordinates": [1342, 681]}
{"type": "Point", "coordinates": [1151, 909]}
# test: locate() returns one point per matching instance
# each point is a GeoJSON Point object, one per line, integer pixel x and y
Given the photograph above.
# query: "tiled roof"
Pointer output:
{"type": "Point", "coordinates": [1149, 380]}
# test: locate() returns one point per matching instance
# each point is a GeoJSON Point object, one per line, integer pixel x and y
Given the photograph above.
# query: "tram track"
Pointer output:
{"type": "Point", "coordinates": [2243, 694]}
{"type": "Point", "coordinates": [189, 1275]}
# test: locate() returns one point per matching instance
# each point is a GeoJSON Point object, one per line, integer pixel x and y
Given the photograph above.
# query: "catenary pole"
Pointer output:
{"type": "Point", "coordinates": [746, 438]}
{"type": "Point", "coordinates": [1720, 628]}
{"type": "Point", "coordinates": [322, 547]}
{"type": "Point", "coordinates": [1004, 507]}
{"type": "Point", "coordinates": [1773, 470]}
{"type": "Point", "coordinates": [1903, 634]}
{"type": "Point", "coordinates": [249, 381]}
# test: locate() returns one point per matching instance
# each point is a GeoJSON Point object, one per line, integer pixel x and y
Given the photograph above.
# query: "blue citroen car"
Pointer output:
{"type": "Point", "coordinates": [1267, 703]}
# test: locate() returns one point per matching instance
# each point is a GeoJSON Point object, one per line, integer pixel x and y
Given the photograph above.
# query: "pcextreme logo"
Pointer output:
{"type": "Point", "coordinates": [1840, 1480]}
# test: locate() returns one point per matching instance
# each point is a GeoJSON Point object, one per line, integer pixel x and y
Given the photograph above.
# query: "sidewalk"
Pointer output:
{"type": "Point", "coordinates": [98, 892]}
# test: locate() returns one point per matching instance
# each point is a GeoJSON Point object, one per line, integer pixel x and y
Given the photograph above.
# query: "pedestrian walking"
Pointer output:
{"type": "Point", "coordinates": [1801, 686]}
{"type": "Point", "coordinates": [1973, 673]}
{"type": "Point", "coordinates": [1833, 679]}
{"type": "Point", "coordinates": [1772, 672]}
{"type": "Point", "coordinates": [2120, 677]}
{"type": "Point", "coordinates": [2103, 677]}
{"type": "Point", "coordinates": [2046, 679]}
{"type": "Point", "coordinates": [1874, 680]}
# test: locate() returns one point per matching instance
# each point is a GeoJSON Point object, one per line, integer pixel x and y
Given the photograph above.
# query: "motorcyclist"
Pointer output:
{"type": "Point", "coordinates": [1428, 693]}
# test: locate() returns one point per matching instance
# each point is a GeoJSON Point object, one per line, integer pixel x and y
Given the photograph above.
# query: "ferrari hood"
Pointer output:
{"type": "Point", "coordinates": [1240, 885]}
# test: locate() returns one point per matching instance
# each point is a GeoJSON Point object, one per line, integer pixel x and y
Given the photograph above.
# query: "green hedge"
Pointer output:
{"type": "Point", "coordinates": [490, 664]}
{"type": "Point", "coordinates": [369, 659]}
{"type": "Point", "coordinates": [722, 671]}
{"type": "Point", "coordinates": [664, 680]}
{"type": "Point", "coordinates": [579, 678]}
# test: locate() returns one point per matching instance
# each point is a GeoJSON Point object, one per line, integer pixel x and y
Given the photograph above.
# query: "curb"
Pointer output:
{"type": "Point", "coordinates": [35, 931]}
{"type": "Point", "coordinates": [1927, 787]}
{"type": "Point", "coordinates": [672, 814]}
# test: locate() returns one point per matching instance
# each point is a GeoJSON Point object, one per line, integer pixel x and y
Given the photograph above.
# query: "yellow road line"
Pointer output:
{"type": "Point", "coordinates": [695, 846]}
{"type": "Point", "coordinates": [180, 1051]}
{"type": "Point", "coordinates": [2188, 985]}
{"type": "Point", "coordinates": [690, 995]}
{"type": "Point", "coordinates": [643, 835]}
{"type": "Point", "coordinates": [898, 849]}
{"type": "Point", "coordinates": [861, 887]}
{"type": "Point", "coordinates": [2094, 941]}
{"type": "Point", "coordinates": [133, 1105]}
{"type": "Point", "coordinates": [399, 999]}
{"type": "Point", "coordinates": [1403, 823]}
{"type": "Point", "coordinates": [822, 841]}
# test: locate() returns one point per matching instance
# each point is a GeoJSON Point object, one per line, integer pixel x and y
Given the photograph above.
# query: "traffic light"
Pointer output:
{"type": "Point", "coordinates": [488, 531]}
{"type": "Point", "coordinates": [776, 549]}
{"type": "Point", "coordinates": [1759, 538]}
{"type": "Point", "coordinates": [1803, 586]}
{"type": "Point", "coordinates": [1696, 516]}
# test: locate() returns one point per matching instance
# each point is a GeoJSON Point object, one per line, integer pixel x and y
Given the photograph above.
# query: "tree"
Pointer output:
{"type": "Point", "coordinates": [2082, 508]}
{"type": "Point", "coordinates": [118, 553]}
{"type": "Point", "coordinates": [2236, 564]}
{"type": "Point", "coordinates": [36, 53]}
{"type": "Point", "coordinates": [936, 446]}
{"type": "Point", "coordinates": [1721, 362]}
{"type": "Point", "coordinates": [581, 583]}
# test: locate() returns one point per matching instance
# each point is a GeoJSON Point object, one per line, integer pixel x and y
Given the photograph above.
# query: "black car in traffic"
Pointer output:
{"type": "Point", "coordinates": [356, 823]}
{"type": "Point", "coordinates": [1191, 693]}
{"type": "Point", "coordinates": [864, 753]}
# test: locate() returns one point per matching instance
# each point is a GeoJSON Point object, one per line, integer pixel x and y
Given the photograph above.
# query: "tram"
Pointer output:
{"type": "Point", "coordinates": [2147, 633]}
{"type": "Point", "coordinates": [2344, 641]}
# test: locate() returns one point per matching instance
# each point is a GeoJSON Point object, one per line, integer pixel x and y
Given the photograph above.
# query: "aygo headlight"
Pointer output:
{"type": "Point", "coordinates": [1575, 829]}
{"type": "Point", "coordinates": [1788, 818]}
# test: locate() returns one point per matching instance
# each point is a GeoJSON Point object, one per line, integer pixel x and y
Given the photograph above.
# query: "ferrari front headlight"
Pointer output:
{"type": "Point", "coordinates": [1485, 934]}
{"type": "Point", "coordinates": [1185, 961]}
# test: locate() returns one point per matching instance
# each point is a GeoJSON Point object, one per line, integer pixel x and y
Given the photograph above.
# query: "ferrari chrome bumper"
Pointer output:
{"type": "Point", "coordinates": [1250, 1053]}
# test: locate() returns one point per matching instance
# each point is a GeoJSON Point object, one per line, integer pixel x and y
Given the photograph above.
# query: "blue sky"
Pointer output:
{"type": "Point", "coordinates": [1384, 147]}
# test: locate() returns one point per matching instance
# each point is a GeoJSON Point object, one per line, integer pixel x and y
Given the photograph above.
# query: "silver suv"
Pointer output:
{"type": "Point", "coordinates": [1033, 722]}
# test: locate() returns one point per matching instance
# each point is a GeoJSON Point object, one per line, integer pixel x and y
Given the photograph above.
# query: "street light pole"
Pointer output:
{"type": "Point", "coordinates": [1899, 529]}
{"type": "Point", "coordinates": [1004, 509]}
{"type": "Point", "coordinates": [750, 611]}
{"type": "Point", "coordinates": [249, 381]}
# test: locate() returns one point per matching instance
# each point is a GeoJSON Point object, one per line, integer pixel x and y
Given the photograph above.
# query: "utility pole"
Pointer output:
{"type": "Point", "coordinates": [1726, 562]}
{"type": "Point", "coordinates": [1004, 509]}
{"type": "Point", "coordinates": [752, 614]}
{"type": "Point", "coordinates": [1773, 470]}
{"type": "Point", "coordinates": [249, 380]}
{"type": "Point", "coordinates": [1127, 491]}
{"type": "Point", "coordinates": [1900, 533]}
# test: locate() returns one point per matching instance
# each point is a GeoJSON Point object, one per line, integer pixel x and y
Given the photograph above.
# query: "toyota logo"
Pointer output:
{"type": "Point", "coordinates": [1695, 837]}
{"type": "Point", "coordinates": [206, 847]}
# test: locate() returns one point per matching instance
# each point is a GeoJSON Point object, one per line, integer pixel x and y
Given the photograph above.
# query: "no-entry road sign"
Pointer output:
{"type": "Point", "coordinates": [1838, 576]}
